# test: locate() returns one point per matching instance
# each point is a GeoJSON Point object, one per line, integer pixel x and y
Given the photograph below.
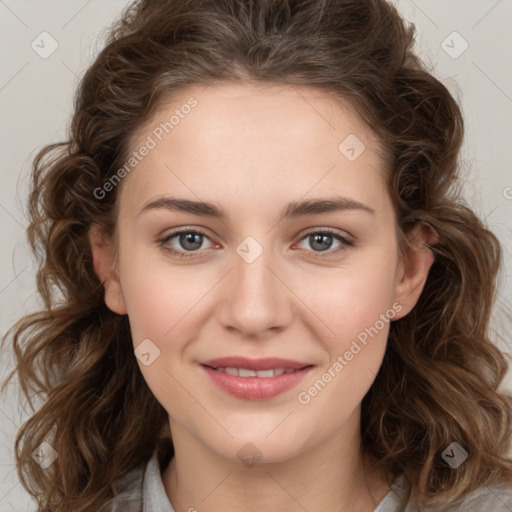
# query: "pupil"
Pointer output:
{"type": "Point", "coordinates": [319, 238]}
{"type": "Point", "coordinates": [321, 241]}
{"type": "Point", "coordinates": [191, 238]}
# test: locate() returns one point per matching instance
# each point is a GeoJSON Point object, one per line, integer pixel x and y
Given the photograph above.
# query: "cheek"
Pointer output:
{"type": "Point", "coordinates": [354, 309]}
{"type": "Point", "coordinates": [160, 307]}
{"type": "Point", "coordinates": [159, 299]}
{"type": "Point", "coordinates": [162, 300]}
{"type": "Point", "coordinates": [151, 307]}
{"type": "Point", "coordinates": [351, 299]}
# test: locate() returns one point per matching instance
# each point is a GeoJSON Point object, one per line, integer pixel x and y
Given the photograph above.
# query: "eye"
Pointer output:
{"type": "Point", "coordinates": [187, 240]}
{"type": "Point", "coordinates": [321, 241]}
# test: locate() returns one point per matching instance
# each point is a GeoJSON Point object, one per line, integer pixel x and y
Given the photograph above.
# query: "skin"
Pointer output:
{"type": "Point", "coordinates": [252, 149]}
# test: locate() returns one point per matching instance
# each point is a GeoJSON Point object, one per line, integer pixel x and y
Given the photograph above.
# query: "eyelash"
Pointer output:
{"type": "Point", "coordinates": [163, 243]}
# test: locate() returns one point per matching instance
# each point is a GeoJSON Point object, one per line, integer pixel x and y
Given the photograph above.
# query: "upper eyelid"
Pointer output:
{"type": "Point", "coordinates": [180, 231]}
{"type": "Point", "coordinates": [330, 231]}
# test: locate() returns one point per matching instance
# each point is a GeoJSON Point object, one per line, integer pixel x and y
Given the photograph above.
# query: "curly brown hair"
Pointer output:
{"type": "Point", "coordinates": [441, 372]}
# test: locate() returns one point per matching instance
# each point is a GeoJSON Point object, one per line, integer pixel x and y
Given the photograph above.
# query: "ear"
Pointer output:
{"type": "Point", "coordinates": [413, 270]}
{"type": "Point", "coordinates": [104, 261]}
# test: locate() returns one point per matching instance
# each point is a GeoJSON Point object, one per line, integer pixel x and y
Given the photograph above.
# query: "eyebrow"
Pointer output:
{"type": "Point", "coordinates": [292, 210]}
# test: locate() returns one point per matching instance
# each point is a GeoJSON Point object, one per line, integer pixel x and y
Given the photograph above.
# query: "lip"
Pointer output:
{"type": "Point", "coordinates": [256, 388]}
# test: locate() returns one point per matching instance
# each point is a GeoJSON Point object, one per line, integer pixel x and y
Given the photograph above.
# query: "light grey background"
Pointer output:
{"type": "Point", "coordinates": [36, 104]}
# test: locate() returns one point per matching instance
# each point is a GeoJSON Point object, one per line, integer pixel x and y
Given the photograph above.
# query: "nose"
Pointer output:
{"type": "Point", "coordinates": [254, 300]}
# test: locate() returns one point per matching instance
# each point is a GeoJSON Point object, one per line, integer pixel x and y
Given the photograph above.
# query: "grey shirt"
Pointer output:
{"type": "Point", "coordinates": [146, 483]}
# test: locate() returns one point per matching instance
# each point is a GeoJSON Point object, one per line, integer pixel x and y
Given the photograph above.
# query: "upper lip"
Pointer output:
{"type": "Point", "coordinates": [267, 363]}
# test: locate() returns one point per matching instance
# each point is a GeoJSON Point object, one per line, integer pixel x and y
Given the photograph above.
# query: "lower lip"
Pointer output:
{"type": "Point", "coordinates": [256, 388]}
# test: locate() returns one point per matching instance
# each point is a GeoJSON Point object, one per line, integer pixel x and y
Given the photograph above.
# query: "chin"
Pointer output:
{"type": "Point", "coordinates": [258, 449]}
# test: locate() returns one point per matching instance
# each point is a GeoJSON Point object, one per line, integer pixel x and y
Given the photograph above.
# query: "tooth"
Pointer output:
{"type": "Point", "coordinates": [265, 373]}
{"type": "Point", "coordinates": [246, 373]}
{"type": "Point", "coordinates": [243, 372]}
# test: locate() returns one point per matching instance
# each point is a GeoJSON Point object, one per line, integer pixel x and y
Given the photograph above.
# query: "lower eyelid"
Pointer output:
{"type": "Point", "coordinates": [344, 242]}
{"type": "Point", "coordinates": [164, 242]}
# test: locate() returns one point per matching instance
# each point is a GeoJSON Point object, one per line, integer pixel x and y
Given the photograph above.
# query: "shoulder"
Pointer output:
{"type": "Point", "coordinates": [128, 491]}
{"type": "Point", "coordinates": [142, 489]}
{"type": "Point", "coordinates": [496, 498]}
{"type": "Point", "coordinates": [154, 495]}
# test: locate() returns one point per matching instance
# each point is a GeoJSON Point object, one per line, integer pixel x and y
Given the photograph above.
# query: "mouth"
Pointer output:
{"type": "Point", "coordinates": [255, 379]}
{"type": "Point", "coordinates": [245, 372]}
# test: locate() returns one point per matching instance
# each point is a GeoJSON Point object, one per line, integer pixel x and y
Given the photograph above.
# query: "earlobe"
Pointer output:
{"type": "Point", "coordinates": [418, 258]}
{"type": "Point", "coordinates": [104, 263]}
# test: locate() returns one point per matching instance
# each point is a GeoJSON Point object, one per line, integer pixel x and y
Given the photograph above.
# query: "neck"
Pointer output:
{"type": "Point", "coordinates": [333, 476]}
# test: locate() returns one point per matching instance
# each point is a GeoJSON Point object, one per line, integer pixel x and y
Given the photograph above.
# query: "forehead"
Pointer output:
{"type": "Point", "coordinates": [273, 113]}
{"type": "Point", "coordinates": [255, 140]}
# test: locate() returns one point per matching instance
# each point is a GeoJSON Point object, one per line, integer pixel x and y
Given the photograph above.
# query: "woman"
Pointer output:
{"type": "Point", "coordinates": [271, 295]}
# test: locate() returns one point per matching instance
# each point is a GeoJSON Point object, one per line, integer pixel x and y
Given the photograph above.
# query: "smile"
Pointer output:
{"type": "Point", "coordinates": [255, 379]}
{"type": "Point", "coordinates": [244, 372]}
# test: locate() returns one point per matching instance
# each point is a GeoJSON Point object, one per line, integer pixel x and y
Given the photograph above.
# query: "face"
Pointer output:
{"type": "Point", "coordinates": [259, 275]}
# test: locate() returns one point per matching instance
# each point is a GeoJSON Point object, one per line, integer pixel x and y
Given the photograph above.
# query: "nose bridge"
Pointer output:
{"type": "Point", "coordinates": [254, 300]}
